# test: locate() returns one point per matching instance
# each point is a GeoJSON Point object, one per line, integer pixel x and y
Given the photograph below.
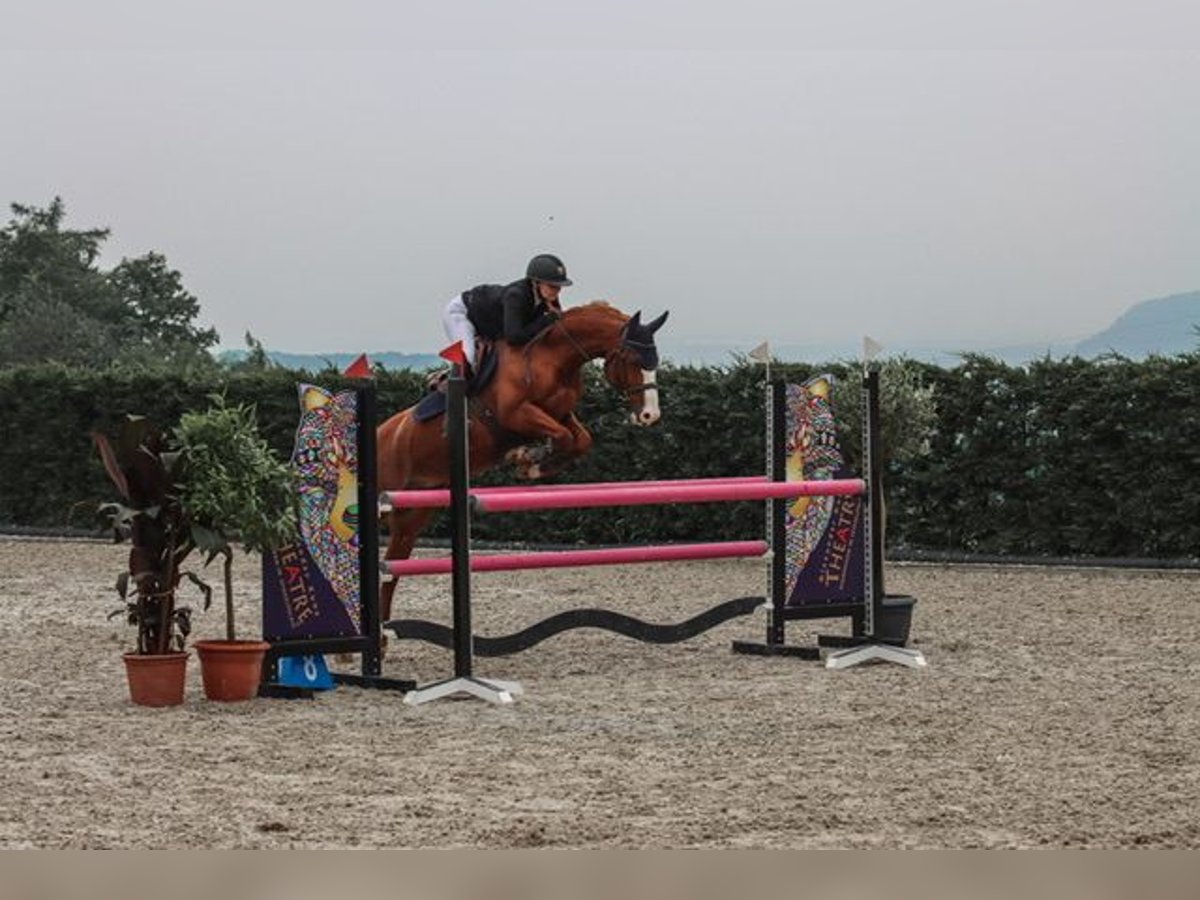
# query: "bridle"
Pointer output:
{"type": "Point", "coordinates": [626, 346]}
{"type": "Point", "coordinates": [632, 390]}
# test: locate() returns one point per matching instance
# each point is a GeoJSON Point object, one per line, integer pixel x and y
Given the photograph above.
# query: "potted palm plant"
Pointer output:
{"type": "Point", "coordinates": [212, 481]}
{"type": "Point", "coordinates": [233, 487]}
{"type": "Point", "coordinates": [151, 515]}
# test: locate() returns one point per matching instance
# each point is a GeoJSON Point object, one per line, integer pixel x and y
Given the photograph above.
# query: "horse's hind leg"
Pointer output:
{"type": "Point", "coordinates": [404, 525]}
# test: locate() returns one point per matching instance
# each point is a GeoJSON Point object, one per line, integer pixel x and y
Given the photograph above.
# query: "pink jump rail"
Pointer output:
{"type": "Point", "coordinates": [680, 492]}
{"type": "Point", "coordinates": [555, 559]}
{"type": "Point", "coordinates": [439, 497]}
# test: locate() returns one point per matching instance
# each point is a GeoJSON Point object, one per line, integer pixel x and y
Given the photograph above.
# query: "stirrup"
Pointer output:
{"type": "Point", "coordinates": [437, 381]}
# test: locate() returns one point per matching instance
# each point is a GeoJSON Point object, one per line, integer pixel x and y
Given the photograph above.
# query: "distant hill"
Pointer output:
{"type": "Point", "coordinates": [316, 362]}
{"type": "Point", "coordinates": [1165, 326]}
{"type": "Point", "coordinates": [946, 354]}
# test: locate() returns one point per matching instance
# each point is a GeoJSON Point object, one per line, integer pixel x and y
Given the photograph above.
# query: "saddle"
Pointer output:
{"type": "Point", "coordinates": [433, 403]}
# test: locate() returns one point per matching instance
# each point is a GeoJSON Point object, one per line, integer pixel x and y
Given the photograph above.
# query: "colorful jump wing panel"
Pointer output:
{"type": "Point", "coordinates": [311, 589]}
{"type": "Point", "coordinates": [825, 538]}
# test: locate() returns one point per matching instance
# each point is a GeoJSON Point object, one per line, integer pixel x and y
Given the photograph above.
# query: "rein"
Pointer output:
{"type": "Point", "coordinates": [539, 336]}
{"type": "Point", "coordinates": [558, 323]}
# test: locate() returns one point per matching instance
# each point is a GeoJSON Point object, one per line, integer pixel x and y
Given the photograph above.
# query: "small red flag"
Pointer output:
{"type": "Point", "coordinates": [454, 353]}
{"type": "Point", "coordinates": [360, 368]}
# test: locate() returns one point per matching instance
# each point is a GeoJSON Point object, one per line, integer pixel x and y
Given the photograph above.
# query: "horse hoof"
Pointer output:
{"type": "Point", "coordinates": [527, 471]}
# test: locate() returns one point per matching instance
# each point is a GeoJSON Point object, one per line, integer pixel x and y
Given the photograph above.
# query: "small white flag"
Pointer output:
{"type": "Point", "coordinates": [871, 348]}
{"type": "Point", "coordinates": [761, 353]}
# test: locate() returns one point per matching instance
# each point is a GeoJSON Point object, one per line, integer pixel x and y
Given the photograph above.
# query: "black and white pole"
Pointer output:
{"type": "Point", "coordinates": [777, 513]}
{"type": "Point", "coordinates": [870, 646]}
{"type": "Point", "coordinates": [464, 680]}
{"type": "Point", "coordinates": [368, 544]}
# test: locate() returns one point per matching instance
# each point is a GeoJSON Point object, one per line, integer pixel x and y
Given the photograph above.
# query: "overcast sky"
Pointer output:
{"type": "Point", "coordinates": [326, 175]}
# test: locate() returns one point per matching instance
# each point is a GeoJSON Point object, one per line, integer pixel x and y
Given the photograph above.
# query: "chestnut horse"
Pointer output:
{"type": "Point", "coordinates": [530, 402]}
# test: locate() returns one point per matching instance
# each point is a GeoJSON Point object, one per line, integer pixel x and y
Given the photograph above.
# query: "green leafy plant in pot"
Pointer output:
{"type": "Point", "coordinates": [908, 415]}
{"type": "Point", "coordinates": [233, 488]}
{"type": "Point", "coordinates": [152, 516]}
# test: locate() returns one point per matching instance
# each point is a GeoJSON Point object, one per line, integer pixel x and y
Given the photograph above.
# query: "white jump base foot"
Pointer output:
{"type": "Point", "coordinates": [492, 690]}
{"type": "Point", "coordinates": [853, 656]}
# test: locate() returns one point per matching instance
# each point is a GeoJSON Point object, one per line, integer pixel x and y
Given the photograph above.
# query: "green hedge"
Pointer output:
{"type": "Point", "coordinates": [1076, 458]}
{"type": "Point", "coordinates": [53, 477]}
{"type": "Point", "coordinates": [1059, 458]}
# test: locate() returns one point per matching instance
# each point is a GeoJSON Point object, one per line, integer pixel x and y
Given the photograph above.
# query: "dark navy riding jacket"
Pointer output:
{"type": "Point", "coordinates": [507, 311]}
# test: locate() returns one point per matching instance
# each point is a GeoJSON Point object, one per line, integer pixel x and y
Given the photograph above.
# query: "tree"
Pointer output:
{"type": "Point", "coordinates": [56, 304]}
{"type": "Point", "coordinates": [42, 327]}
{"type": "Point", "coordinates": [256, 359]}
{"type": "Point", "coordinates": [36, 254]}
{"type": "Point", "coordinates": [155, 306]}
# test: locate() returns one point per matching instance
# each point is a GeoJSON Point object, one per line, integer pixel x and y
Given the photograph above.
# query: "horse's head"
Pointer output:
{"type": "Point", "coordinates": [630, 368]}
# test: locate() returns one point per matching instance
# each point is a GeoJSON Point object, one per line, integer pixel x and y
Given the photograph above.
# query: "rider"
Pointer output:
{"type": "Point", "coordinates": [516, 312]}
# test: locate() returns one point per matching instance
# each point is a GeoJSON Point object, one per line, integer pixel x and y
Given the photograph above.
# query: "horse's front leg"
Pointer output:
{"type": "Point", "coordinates": [531, 422]}
{"type": "Point", "coordinates": [580, 444]}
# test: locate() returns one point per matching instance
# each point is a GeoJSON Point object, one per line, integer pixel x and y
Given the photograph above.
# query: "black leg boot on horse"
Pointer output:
{"type": "Point", "coordinates": [545, 459]}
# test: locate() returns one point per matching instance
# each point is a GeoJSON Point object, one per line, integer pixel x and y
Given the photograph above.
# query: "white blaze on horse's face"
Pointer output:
{"type": "Point", "coordinates": [649, 413]}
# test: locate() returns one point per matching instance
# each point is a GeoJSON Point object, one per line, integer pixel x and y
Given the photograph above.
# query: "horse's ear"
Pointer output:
{"type": "Point", "coordinates": [634, 323]}
{"type": "Point", "coordinates": [657, 323]}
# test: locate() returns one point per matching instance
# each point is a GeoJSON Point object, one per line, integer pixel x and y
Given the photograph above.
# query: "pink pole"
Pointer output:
{"type": "Point", "coordinates": [556, 559]}
{"type": "Point", "coordinates": [438, 497]}
{"type": "Point", "coordinates": [589, 485]}
{"type": "Point", "coordinates": [678, 493]}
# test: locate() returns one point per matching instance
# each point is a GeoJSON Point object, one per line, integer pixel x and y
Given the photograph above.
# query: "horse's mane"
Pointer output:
{"type": "Point", "coordinates": [595, 308]}
{"type": "Point", "coordinates": [596, 320]}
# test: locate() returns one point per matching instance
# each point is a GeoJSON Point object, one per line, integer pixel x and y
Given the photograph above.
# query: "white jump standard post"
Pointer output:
{"type": "Point", "coordinates": [870, 646]}
{"type": "Point", "coordinates": [463, 682]}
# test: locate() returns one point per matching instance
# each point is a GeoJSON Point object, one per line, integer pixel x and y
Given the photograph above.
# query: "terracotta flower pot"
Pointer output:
{"type": "Point", "coordinates": [156, 680]}
{"type": "Point", "coordinates": [232, 670]}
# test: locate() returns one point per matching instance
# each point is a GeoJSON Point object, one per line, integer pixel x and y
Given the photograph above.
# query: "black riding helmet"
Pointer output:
{"type": "Point", "coordinates": [547, 268]}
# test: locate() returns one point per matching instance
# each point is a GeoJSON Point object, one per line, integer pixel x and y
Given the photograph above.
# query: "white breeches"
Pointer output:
{"type": "Point", "coordinates": [459, 328]}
